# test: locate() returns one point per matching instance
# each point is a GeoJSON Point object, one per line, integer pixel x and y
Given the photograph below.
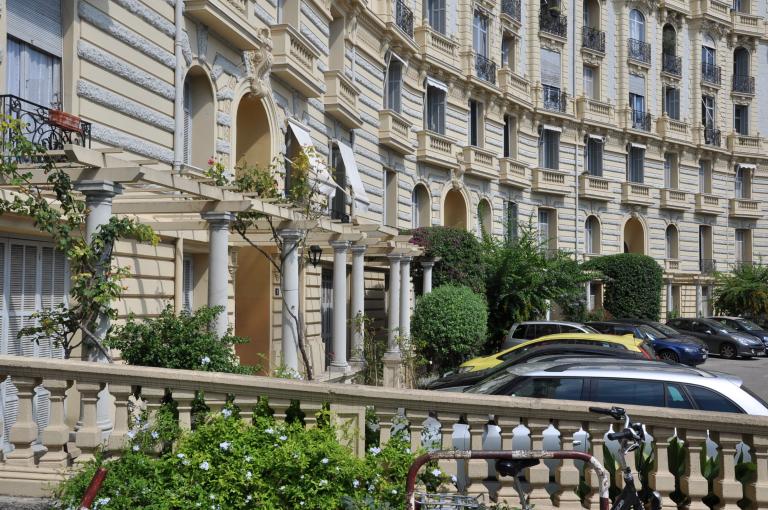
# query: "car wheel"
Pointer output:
{"type": "Point", "coordinates": [728, 351]}
{"type": "Point", "coordinates": [669, 356]}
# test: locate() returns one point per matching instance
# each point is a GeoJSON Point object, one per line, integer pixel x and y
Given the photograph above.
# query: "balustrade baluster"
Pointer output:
{"type": "Point", "coordinates": [56, 434]}
{"type": "Point", "coordinates": [492, 441]}
{"type": "Point", "coordinates": [215, 401]}
{"type": "Point", "coordinates": [596, 442]}
{"type": "Point", "coordinates": [311, 410]}
{"type": "Point", "coordinates": [89, 436]}
{"type": "Point", "coordinates": [694, 484]}
{"type": "Point", "coordinates": [477, 469]}
{"type": "Point", "coordinates": [117, 437]}
{"type": "Point", "coordinates": [184, 400]}
{"type": "Point", "coordinates": [386, 422]}
{"type": "Point", "coordinates": [280, 407]}
{"type": "Point", "coordinates": [727, 488]}
{"type": "Point", "coordinates": [662, 480]}
{"type": "Point", "coordinates": [416, 420]}
{"type": "Point", "coordinates": [461, 439]}
{"type": "Point", "coordinates": [538, 476]}
{"type": "Point", "coordinates": [24, 430]}
{"type": "Point", "coordinates": [246, 404]}
{"type": "Point", "coordinates": [758, 490]}
{"type": "Point", "coordinates": [508, 430]}
{"type": "Point", "coordinates": [153, 399]}
{"type": "Point", "coordinates": [447, 423]}
{"type": "Point", "coordinates": [567, 474]}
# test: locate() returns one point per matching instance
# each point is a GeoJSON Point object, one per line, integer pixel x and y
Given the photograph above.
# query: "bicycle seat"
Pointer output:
{"type": "Point", "coordinates": [513, 467]}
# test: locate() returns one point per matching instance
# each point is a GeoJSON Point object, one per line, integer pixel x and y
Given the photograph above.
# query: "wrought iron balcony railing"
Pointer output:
{"type": "Point", "coordinates": [485, 68]}
{"type": "Point", "coordinates": [554, 98]}
{"type": "Point", "coordinates": [744, 84]}
{"type": "Point", "coordinates": [707, 266]}
{"type": "Point", "coordinates": [712, 136]}
{"type": "Point", "coordinates": [511, 8]}
{"type": "Point", "coordinates": [404, 17]}
{"type": "Point", "coordinates": [639, 50]}
{"type": "Point", "coordinates": [553, 23]}
{"type": "Point", "coordinates": [672, 64]}
{"type": "Point", "coordinates": [641, 120]}
{"type": "Point", "coordinates": [593, 39]}
{"type": "Point", "coordinates": [710, 73]}
{"type": "Point", "coordinates": [50, 128]}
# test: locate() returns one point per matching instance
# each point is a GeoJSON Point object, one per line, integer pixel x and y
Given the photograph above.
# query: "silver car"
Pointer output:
{"type": "Point", "coordinates": [521, 332]}
{"type": "Point", "coordinates": [625, 382]}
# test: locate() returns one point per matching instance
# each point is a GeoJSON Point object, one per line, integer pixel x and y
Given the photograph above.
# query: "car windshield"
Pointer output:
{"type": "Point", "coordinates": [722, 326]}
{"type": "Point", "coordinates": [664, 329]}
{"type": "Point", "coordinates": [491, 384]}
{"type": "Point", "coordinates": [748, 325]}
{"type": "Point", "coordinates": [651, 332]}
{"type": "Point", "coordinates": [590, 329]}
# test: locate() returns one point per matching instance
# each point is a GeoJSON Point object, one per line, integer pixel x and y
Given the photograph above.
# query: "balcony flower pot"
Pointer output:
{"type": "Point", "coordinates": [64, 120]}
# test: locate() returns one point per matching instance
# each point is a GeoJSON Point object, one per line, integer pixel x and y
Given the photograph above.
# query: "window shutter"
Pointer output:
{"type": "Point", "coordinates": [187, 141]}
{"type": "Point", "coordinates": [41, 410]}
{"type": "Point", "coordinates": [37, 22]}
{"type": "Point", "coordinates": [10, 410]}
{"type": "Point", "coordinates": [550, 68]}
{"type": "Point", "coordinates": [188, 284]}
{"type": "Point", "coordinates": [636, 85]}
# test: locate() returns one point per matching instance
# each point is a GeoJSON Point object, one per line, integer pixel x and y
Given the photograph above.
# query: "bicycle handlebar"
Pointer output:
{"type": "Point", "coordinates": [617, 413]}
{"type": "Point", "coordinates": [618, 436]}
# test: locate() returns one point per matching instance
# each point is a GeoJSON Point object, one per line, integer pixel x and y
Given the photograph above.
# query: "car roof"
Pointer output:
{"type": "Point", "coordinates": [724, 317]}
{"type": "Point", "coordinates": [585, 336]}
{"type": "Point", "coordinates": [560, 323]}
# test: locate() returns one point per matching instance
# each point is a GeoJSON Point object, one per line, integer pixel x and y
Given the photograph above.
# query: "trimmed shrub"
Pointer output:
{"type": "Point", "coordinates": [460, 253]}
{"type": "Point", "coordinates": [449, 326]}
{"type": "Point", "coordinates": [633, 284]}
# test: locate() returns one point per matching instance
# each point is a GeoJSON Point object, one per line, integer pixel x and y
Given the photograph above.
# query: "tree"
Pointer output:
{"type": "Point", "coordinates": [59, 212]}
{"type": "Point", "coordinates": [743, 292]}
{"type": "Point", "coordinates": [459, 253]}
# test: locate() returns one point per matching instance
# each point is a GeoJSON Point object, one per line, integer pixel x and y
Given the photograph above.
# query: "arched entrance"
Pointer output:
{"type": "Point", "coordinates": [254, 144]}
{"type": "Point", "coordinates": [420, 207]}
{"type": "Point", "coordinates": [199, 118]}
{"type": "Point", "coordinates": [634, 236]}
{"type": "Point", "coordinates": [455, 210]}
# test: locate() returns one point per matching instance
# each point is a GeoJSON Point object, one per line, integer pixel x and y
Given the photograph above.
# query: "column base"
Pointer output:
{"type": "Point", "coordinates": [393, 370]}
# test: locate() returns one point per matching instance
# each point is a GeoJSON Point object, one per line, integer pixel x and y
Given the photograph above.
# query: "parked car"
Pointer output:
{"type": "Point", "coordinates": [722, 339]}
{"type": "Point", "coordinates": [689, 351]}
{"type": "Point", "coordinates": [460, 381]}
{"type": "Point", "coordinates": [627, 342]}
{"type": "Point", "coordinates": [521, 332]}
{"type": "Point", "coordinates": [624, 382]}
{"type": "Point", "coordinates": [745, 326]}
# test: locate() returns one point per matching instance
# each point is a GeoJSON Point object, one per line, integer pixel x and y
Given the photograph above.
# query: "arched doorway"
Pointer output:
{"type": "Point", "coordinates": [254, 144]}
{"type": "Point", "coordinates": [455, 210]}
{"type": "Point", "coordinates": [199, 119]}
{"type": "Point", "coordinates": [634, 236]}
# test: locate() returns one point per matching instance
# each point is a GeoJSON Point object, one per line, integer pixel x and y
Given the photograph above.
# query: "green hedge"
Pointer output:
{"type": "Point", "coordinates": [460, 253]}
{"type": "Point", "coordinates": [633, 285]}
{"type": "Point", "coordinates": [449, 326]}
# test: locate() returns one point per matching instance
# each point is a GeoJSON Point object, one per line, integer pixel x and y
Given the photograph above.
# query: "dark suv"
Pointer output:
{"type": "Point", "coordinates": [722, 339]}
{"type": "Point", "coordinates": [690, 351]}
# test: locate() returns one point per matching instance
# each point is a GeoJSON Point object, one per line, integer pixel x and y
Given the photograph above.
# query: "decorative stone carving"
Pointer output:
{"type": "Point", "coordinates": [713, 28]}
{"type": "Point", "coordinates": [675, 19]}
{"type": "Point", "coordinates": [550, 43]}
{"type": "Point", "coordinates": [202, 42]}
{"type": "Point", "coordinates": [646, 6]}
{"type": "Point", "coordinates": [258, 64]}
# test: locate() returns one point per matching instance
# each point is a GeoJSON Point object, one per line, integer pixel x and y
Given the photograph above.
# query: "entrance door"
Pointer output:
{"type": "Point", "coordinates": [326, 314]}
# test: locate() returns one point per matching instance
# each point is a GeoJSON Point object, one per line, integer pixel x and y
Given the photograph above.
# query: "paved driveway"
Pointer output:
{"type": "Point", "coordinates": [754, 372]}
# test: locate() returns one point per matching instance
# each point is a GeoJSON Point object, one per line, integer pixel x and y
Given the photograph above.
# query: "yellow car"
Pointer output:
{"type": "Point", "coordinates": [628, 342]}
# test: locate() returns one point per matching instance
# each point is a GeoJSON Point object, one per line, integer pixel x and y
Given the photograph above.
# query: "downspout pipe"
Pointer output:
{"type": "Point", "coordinates": [178, 100]}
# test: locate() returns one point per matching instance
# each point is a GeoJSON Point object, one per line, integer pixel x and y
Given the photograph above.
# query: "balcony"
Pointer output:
{"type": "Point", "coordinates": [639, 51]}
{"type": "Point", "coordinates": [640, 120]}
{"type": "Point", "coordinates": [233, 20]}
{"type": "Point", "coordinates": [513, 173]}
{"type": "Point", "coordinates": [553, 23]}
{"type": "Point", "coordinates": [514, 85]}
{"type": "Point", "coordinates": [436, 47]}
{"type": "Point", "coordinates": [747, 24]}
{"type": "Point", "coordinates": [395, 132]}
{"type": "Point", "coordinates": [49, 128]}
{"type": "Point", "coordinates": [404, 18]}
{"type": "Point", "coordinates": [674, 200]}
{"type": "Point", "coordinates": [710, 74]}
{"type": "Point", "coordinates": [668, 127]}
{"type": "Point", "coordinates": [634, 193]}
{"type": "Point", "coordinates": [592, 187]}
{"type": "Point", "coordinates": [717, 9]}
{"type": "Point", "coordinates": [593, 39]}
{"type": "Point", "coordinates": [591, 110]}
{"type": "Point", "coordinates": [550, 182]}
{"type": "Point", "coordinates": [435, 149]}
{"type": "Point", "coordinates": [671, 64]}
{"type": "Point", "coordinates": [707, 266]}
{"type": "Point", "coordinates": [747, 145]}
{"type": "Point", "coordinates": [340, 99]}
{"type": "Point", "coordinates": [485, 69]}
{"type": "Point", "coordinates": [553, 99]}
{"type": "Point", "coordinates": [479, 162]}
{"type": "Point", "coordinates": [744, 208]}
{"type": "Point", "coordinates": [511, 8]}
{"type": "Point", "coordinates": [711, 136]}
{"type": "Point", "coordinates": [743, 84]}
{"type": "Point", "coordinates": [707, 204]}
{"type": "Point", "coordinates": [671, 265]}
{"type": "Point", "coordinates": [295, 61]}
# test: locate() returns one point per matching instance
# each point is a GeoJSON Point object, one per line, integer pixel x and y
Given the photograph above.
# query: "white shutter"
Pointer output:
{"type": "Point", "coordinates": [188, 284]}
{"type": "Point", "coordinates": [636, 85]}
{"type": "Point", "coordinates": [550, 68]}
{"type": "Point", "coordinates": [41, 410]}
{"type": "Point", "coordinates": [37, 22]}
{"type": "Point", "coordinates": [10, 410]}
{"type": "Point", "coordinates": [187, 136]}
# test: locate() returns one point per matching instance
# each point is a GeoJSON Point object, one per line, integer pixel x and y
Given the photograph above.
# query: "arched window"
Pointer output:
{"type": "Point", "coordinates": [199, 119]}
{"type": "Point", "coordinates": [672, 245]}
{"type": "Point", "coordinates": [740, 63]}
{"type": "Point", "coordinates": [484, 218]}
{"type": "Point", "coordinates": [592, 14]}
{"type": "Point", "coordinates": [420, 207]}
{"type": "Point", "coordinates": [592, 235]}
{"type": "Point", "coordinates": [669, 40]}
{"type": "Point", "coordinates": [636, 25]}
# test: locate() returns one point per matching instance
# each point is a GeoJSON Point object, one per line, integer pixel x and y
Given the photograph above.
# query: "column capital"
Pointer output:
{"type": "Point", "coordinates": [395, 257]}
{"type": "Point", "coordinates": [406, 259]}
{"type": "Point", "coordinates": [339, 246]}
{"type": "Point", "coordinates": [290, 234]}
{"type": "Point", "coordinates": [428, 264]}
{"type": "Point", "coordinates": [98, 189]}
{"type": "Point", "coordinates": [218, 219]}
{"type": "Point", "coordinates": [358, 249]}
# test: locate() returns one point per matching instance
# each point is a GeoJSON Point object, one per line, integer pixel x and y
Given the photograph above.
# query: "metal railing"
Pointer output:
{"type": "Point", "coordinates": [47, 127]}
{"type": "Point", "coordinates": [404, 17]}
{"type": "Point", "coordinates": [744, 83]}
{"type": "Point", "coordinates": [553, 23]}
{"type": "Point", "coordinates": [710, 73]}
{"type": "Point", "coordinates": [639, 50]}
{"type": "Point", "coordinates": [707, 266]}
{"type": "Point", "coordinates": [485, 68]}
{"type": "Point", "coordinates": [593, 39]}
{"type": "Point", "coordinates": [641, 120]}
{"type": "Point", "coordinates": [511, 8]}
{"type": "Point", "coordinates": [671, 64]}
{"type": "Point", "coordinates": [712, 136]}
{"type": "Point", "coordinates": [554, 98]}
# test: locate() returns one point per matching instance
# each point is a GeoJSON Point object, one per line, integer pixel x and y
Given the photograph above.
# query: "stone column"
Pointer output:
{"type": "Point", "coordinates": [290, 290]}
{"type": "Point", "coordinates": [218, 266]}
{"type": "Point", "coordinates": [427, 266]}
{"type": "Point", "coordinates": [670, 304]}
{"type": "Point", "coordinates": [340, 325]}
{"type": "Point", "coordinates": [392, 358]}
{"type": "Point", "coordinates": [588, 292]}
{"type": "Point", "coordinates": [405, 297]}
{"type": "Point", "coordinates": [357, 306]}
{"type": "Point", "coordinates": [698, 300]}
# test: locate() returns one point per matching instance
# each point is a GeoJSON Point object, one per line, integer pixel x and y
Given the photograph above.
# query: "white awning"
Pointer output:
{"type": "Point", "coordinates": [323, 181]}
{"type": "Point", "coordinates": [600, 138]}
{"type": "Point", "coordinates": [548, 127]}
{"type": "Point", "coordinates": [431, 82]}
{"type": "Point", "coordinates": [637, 145]}
{"type": "Point", "coordinates": [748, 166]}
{"type": "Point", "coordinates": [350, 168]}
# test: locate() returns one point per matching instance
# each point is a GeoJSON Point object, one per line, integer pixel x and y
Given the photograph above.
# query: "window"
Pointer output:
{"type": "Point", "coordinates": [549, 149]}
{"type": "Point", "coordinates": [550, 78]}
{"type": "Point", "coordinates": [420, 207]}
{"type": "Point", "coordinates": [708, 111]}
{"type": "Point", "coordinates": [741, 119]}
{"type": "Point", "coordinates": [511, 222]}
{"type": "Point", "coordinates": [671, 243]}
{"type": "Point", "coordinates": [676, 397]}
{"type": "Point", "coordinates": [435, 109]}
{"type": "Point", "coordinates": [594, 156]}
{"type": "Point", "coordinates": [565, 388]}
{"type": "Point", "coordinates": [394, 85]}
{"type": "Point", "coordinates": [671, 171]}
{"type": "Point", "coordinates": [636, 161]}
{"type": "Point", "coordinates": [547, 231]}
{"type": "Point", "coordinates": [708, 53]}
{"type": "Point", "coordinates": [338, 204]}
{"type": "Point", "coordinates": [636, 25]}
{"type": "Point", "coordinates": [519, 331]}
{"type": "Point", "coordinates": [740, 67]}
{"type": "Point", "coordinates": [480, 33]}
{"type": "Point", "coordinates": [633, 392]}
{"type": "Point", "coordinates": [741, 5]}
{"type": "Point", "coordinates": [672, 102]}
{"type": "Point", "coordinates": [476, 121]}
{"type": "Point", "coordinates": [33, 74]}
{"type": "Point", "coordinates": [669, 40]}
{"type": "Point", "coordinates": [743, 238]}
{"type": "Point", "coordinates": [592, 235]}
{"type": "Point", "coordinates": [390, 199]}
{"type": "Point", "coordinates": [738, 182]}
{"type": "Point", "coordinates": [510, 137]}
{"type": "Point", "coordinates": [436, 15]}
{"type": "Point", "coordinates": [706, 264]}
{"type": "Point", "coordinates": [188, 284]}
{"type": "Point", "coordinates": [591, 83]}
{"type": "Point", "coordinates": [705, 176]}
{"type": "Point", "coordinates": [508, 50]}
{"type": "Point", "coordinates": [637, 101]}
{"type": "Point", "coordinates": [708, 400]}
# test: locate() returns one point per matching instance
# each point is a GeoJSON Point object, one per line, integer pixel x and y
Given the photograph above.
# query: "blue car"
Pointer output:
{"type": "Point", "coordinates": [668, 343]}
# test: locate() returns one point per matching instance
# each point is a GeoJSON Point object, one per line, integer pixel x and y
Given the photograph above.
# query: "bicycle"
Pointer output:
{"type": "Point", "coordinates": [630, 439]}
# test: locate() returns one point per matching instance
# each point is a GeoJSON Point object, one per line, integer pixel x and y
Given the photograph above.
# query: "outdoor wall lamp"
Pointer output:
{"type": "Point", "coordinates": [314, 254]}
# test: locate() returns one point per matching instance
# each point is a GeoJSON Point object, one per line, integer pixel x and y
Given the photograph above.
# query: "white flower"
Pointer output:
{"type": "Point", "coordinates": [324, 460]}
{"type": "Point", "coordinates": [226, 413]}
{"type": "Point", "coordinates": [355, 484]}
{"type": "Point", "coordinates": [407, 450]}
{"type": "Point", "coordinates": [323, 482]}
{"type": "Point", "coordinates": [135, 448]}
{"type": "Point", "coordinates": [269, 430]}
{"type": "Point", "coordinates": [371, 488]}
{"type": "Point", "coordinates": [154, 434]}
{"type": "Point", "coordinates": [394, 491]}
{"type": "Point", "coordinates": [205, 466]}
{"type": "Point", "coordinates": [436, 472]}
{"type": "Point", "coordinates": [302, 503]}
{"type": "Point", "coordinates": [248, 498]}
{"type": "Point", "coordinates": [295, 455]}
{"type": "Point", "coordinates": [185, 462]}
{"type": "Point", "coordinates": [102, 501]}
{"type": "Point", "coordinates": [180, 455]}
{"type": "Point", "coordinates": [283, 438]}
{"type": "Point", "coordinates": [205, 360]}
{"type": "Point", "coordinates": [212, 496]}
{"type": "Point", "coordinates": [248, 458]}
{"type": "Point", "coordinates": [375, 450]}
{"type": "Point", "coordinates": [454, 479]}
{"type": "Point", "coordinates": [225, 445]}
{"type": "Point", "coordinates": [131, 434]}
{"type": "Point", "coordinates": [248, 475]}
{"type": "Point", "coordinates": [282, 488]}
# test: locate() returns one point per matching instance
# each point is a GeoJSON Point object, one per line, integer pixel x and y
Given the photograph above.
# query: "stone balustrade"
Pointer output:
{"type": "Point", "coordinates": [38, 452]}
